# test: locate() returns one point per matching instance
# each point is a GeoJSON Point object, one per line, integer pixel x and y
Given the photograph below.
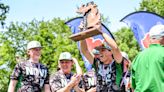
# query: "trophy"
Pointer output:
{"type": "Point", "coordinates": [91, 24]}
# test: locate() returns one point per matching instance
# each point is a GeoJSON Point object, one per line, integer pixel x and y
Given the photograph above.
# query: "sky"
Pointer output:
{"type": "Point", "coordinates": [27, 10]}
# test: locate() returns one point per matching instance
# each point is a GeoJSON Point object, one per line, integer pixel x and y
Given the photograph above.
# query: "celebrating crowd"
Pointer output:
{"type": "Point", "coordinates": [112, 71]}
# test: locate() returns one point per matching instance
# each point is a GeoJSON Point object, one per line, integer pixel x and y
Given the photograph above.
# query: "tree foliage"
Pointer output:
{"type": "Point", "coordinates": [53, 35]}
{"type": "Point", "coordinates": [156, 6]}
{"type": "Point", "coordinates": [4, 9]}
{"type": "Point", "coordinates": [126, 42]}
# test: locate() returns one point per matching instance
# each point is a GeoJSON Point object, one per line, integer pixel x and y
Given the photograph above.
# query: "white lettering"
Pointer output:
{"type": "Point", "coordinates": [29, 71]}
{"type": "Point", "coordinates": [108, 78]}
{"type": "Point", "coordinates": [91, 81]}
{"type": "Point", "coordinates": [36, 71]}
{"type": "Point", "coordinates": [41, 72]}
{"type": "Point", "coordinates": [44, 73]}
{"type": "Point", "coordinates": [41, 83]}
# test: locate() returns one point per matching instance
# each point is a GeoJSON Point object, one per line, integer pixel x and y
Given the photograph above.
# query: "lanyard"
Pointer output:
{"type": "Point", "coordinates": [124, 77]}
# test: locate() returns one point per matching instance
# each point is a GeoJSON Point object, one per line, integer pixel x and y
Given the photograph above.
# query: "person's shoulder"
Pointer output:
{"type": "Point", "coordinates": [55, 75]}
{"type": "Point", "coordinates": [142, 53]}
{"type": "Point", "coordinates": [145, 51]}
{"type": "Point", "coordinates": [153, 47]}
{"type": "Point", "coordinates": [160, 47]}
{"type": "Point", "coordinates": [23, 63]}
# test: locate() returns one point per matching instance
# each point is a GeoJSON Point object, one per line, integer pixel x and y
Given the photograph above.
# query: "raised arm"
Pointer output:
{"type": "Point", "coordinates": [78, 68]}
{"type": "Point", "coordinates": [115, 50]}
{"type": "Point", "coordinates": [86, 52]}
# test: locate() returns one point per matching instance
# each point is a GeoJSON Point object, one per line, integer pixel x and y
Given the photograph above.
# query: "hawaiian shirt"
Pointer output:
{"type": "Point", "coordinates": [59, 80]}
{"type": "Point", "coordinates": [89, 79]}
{"type": "Point", "coordinates": [106, 76]}
{"type": "Point", "coordinates": [34, 76]}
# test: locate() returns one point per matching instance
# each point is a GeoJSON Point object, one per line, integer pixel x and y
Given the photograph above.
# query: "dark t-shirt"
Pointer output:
{"type": "Point", "coordinates": [34, 76]}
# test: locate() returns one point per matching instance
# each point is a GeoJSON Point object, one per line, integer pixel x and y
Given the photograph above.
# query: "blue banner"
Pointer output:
{"type": "Point", "coordinates": [140, 23]}
{"type": "Point", "coordinates": [92, 42]}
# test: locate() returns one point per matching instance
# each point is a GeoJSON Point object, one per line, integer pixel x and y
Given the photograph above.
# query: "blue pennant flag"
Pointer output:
{"type": "Point", "coordinates": [92, 42]}
{"type": "Point", "coordinates": [140, 23]}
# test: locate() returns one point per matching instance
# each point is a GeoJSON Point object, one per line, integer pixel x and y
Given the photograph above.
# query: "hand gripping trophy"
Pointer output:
{"type": "Point", "coordinates": [91, 24]}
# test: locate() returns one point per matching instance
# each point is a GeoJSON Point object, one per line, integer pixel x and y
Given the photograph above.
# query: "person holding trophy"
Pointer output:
{"type": "Point", "coordinates": [109, 65]}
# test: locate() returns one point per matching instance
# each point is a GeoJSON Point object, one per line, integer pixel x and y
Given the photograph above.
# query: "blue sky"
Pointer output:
{"type": "Point", "coordinates": [27, 10]}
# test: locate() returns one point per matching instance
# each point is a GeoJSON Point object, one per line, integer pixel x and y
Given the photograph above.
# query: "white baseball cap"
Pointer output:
{"type": "Point", "coordinates": [157, 31]}
{"type": "Point", "coordinates": [65, 56]}
{"type": "Point", "coordinates": [125, 55]}
{"type": "Point", "coordinates": [33, 44]}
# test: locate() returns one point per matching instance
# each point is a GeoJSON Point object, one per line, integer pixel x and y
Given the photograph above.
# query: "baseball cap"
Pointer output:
{"type": "Point", "coordinates": [125, 55]}
{"type": "Point", "coordinates": [33, 44]}
{"type": "Point", "coordinates": [65, 56]}
{"type": "Point", "coordinates": [157, 31]}
{"type": "Point", "coordinates": [94, 51]}
{"type": "Point", "coordinates": [104, 46]}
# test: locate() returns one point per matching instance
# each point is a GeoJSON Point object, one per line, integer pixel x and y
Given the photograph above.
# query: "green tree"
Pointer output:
{"type": "Point", "coordinates": [53, 36]}
{"type": "Point", "coordinates": [126, 42]}
{"type": "Point", "coordinates": [4, 9]}
{"type": "Point", "coordinates": [156, 6]}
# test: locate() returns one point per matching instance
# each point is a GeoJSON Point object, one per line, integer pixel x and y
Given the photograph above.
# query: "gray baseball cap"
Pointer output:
{"type": "Point", "coordinates": [33, 44]}
{"type": "Point", "coordinates": [103, 46]}
{"type": "Point", "coordinates": [65, 56]}
{"type": "Point", "coordinates": [125, 55]}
